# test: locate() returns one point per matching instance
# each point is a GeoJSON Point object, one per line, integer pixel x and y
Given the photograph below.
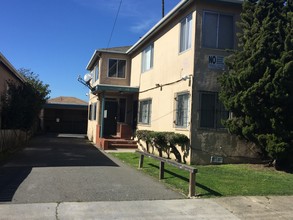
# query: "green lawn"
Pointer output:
{"type": "Point", "coordinates": [219, 180]}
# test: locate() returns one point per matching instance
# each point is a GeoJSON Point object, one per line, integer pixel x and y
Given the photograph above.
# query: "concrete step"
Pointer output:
{"type": "Point", "coordinates": [119, 145]}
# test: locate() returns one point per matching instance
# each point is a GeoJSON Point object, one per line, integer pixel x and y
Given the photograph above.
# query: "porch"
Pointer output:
{"type": "Point", "coordinates": [122, 139]}
{"type": "Point", "coordinates": [117, 116]}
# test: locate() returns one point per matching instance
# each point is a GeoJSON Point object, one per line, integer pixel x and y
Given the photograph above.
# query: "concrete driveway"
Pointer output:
{"type": "Point", "coordinates": [70, 169]}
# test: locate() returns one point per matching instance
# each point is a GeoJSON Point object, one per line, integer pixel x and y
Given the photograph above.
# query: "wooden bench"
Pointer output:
{"type": "Point", "coordinates": [192, 170]}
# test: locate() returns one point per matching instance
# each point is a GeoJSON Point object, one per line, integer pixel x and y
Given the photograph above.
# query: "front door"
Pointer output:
{"type": "Point", "coordinates": [110, 117]}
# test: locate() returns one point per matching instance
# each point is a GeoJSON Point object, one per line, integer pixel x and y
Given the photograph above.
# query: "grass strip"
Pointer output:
{"type": "Point", "coordinates": [219, 180]}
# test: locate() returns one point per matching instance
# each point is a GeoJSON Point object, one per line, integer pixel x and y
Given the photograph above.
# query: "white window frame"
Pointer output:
{"type": "Point", "coordinates": [97, 71]}
{"type": "Point", "coordinates": [90, 112]}
{"type": "Point", "coordinates": [147, 114]}
{"type": "Point", "coordinates": [94, 111]}
{"type": "Point", "coordinates": [185, 33]}
{"type": "Point", "coordinates": [204, 30]}
{"type": "Point", "coordinates": [116, 75]}
{"type": "Point", "coordinates": [92, 73]}
{"type": "Point", "coordinates": [182, 122]}
{"type": "Point", "coordinates": [92, 115]}
{"type": "Point", "coordinates": [145, 64]}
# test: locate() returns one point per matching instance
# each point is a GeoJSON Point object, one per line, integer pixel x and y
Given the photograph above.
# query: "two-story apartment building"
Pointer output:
{"type": "Point", "coordinates": [171, 83]}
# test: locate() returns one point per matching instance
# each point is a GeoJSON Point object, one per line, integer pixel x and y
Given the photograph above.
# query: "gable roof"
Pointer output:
{"type": "Point", "coordinates": [11, 68]}
{"type": "Point", "coordinates": [95, 56]}
{"type": "Point", "coordinates": [123, 49]}
{"type": "Point", "coordinates": [67, 100]}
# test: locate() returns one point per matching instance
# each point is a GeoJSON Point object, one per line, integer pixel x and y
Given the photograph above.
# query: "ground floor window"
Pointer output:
{"type": "Point", "coordinates": [182, 100]}
{"type": "Point", "coordinates": [212, 112]}
{"type": "Point", "coordinates": [144, 115]}
{"type": "Point", "coordinates": [93, 112]}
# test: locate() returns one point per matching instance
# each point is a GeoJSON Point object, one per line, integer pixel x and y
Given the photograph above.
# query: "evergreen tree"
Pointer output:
{"type": "Point", "coordinates": [258, 85]}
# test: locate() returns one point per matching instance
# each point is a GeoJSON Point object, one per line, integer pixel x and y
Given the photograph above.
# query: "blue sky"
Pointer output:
{"type": "Point", "coordinates": [56, 38]}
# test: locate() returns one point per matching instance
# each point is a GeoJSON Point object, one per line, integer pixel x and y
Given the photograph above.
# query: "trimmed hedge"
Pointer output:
{"type": "Point", "coordinates": [165, 142]}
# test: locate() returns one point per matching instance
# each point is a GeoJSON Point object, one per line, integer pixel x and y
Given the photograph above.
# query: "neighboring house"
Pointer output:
{"type": "Point", "coordinates": [7, 74]}
{"type": "Point", "coordinates": [64, 115]}
{"type": "Point", "coordinates": [169, 81]}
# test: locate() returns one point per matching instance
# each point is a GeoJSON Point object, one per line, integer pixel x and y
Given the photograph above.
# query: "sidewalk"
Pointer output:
{"type": "Point", "coordinates": [252, 208]}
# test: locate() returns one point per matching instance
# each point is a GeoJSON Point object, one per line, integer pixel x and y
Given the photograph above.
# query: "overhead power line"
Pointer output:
{"type": "Point", "coordinates": [114, 23]}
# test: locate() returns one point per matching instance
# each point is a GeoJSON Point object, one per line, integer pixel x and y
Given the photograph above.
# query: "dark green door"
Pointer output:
{"type": "Point", "coordinates": [110, 118]}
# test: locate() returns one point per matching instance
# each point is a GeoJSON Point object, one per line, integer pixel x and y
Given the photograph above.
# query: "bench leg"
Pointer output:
{"type": "Point", "coordinates": [140, 164]}
{"type": "Point", "coordinates": [162, 167]}
{"type": "Point", "coordinates": [191, 184]}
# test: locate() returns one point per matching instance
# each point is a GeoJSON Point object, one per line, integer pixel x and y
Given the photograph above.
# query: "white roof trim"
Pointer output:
{"type": "Point", "coordinates": [12, 69]}
{"type": "Point", "coordinates": [168, 16]}
{"type": "Point", "coordinates": [91, 60]}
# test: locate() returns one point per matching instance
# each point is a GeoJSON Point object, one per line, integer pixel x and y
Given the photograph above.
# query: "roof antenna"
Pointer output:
{"type": "Point", "coordinates": [163, 8]}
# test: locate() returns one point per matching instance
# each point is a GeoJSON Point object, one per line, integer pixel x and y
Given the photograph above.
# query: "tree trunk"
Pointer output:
{"type": "Point", "coordinates": [176, 153]}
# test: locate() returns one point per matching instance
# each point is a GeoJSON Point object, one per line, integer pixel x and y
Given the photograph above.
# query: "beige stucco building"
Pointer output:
{"type": "Point", "coordinates": [167, 81]}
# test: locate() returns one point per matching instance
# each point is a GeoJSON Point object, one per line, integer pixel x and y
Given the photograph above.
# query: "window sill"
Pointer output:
{"type": "Point", "coordinates": [218, 49]}
{"type": "Point", "coordinates": [184, 51]}
{"type": "Point", "coordinates": [182, 128]}
{"type": "Point", "coordinates": [113, 77]}
{"type": "Point", "coordinates": [145, 125]}
{"type": "Point", "coordinates": [145, 71]}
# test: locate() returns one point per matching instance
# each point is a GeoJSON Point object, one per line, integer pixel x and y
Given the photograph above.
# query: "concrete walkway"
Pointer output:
{"type": "Point", "coordinates": [228, 208]}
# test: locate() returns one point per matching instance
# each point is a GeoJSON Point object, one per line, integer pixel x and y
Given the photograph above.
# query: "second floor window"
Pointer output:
{"type": "Point", "coordinates": [144, 115]}
{"type": "Point", "coordinates": [92, 73]}
{"type": "Point", "coordinates": [182, 101]}
{"type": "Point", "coordinates": [116, 68]}
{"type": "Point", "coordinates": [92, 116]}
{"type": "Point", "coordinates": [97, 72]}
{"type": "Point", "coordinates": [185, 33]}
{"type": "Point", "coordinates": [147, 58]}
{"type": "Point", "coordinates": [218, 31]}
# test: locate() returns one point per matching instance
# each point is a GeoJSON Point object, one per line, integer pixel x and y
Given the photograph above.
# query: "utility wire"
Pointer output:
{"type": "Point", "coordinates": [161, 86]}
{"type": "Point", "coordinates": [114, 24]}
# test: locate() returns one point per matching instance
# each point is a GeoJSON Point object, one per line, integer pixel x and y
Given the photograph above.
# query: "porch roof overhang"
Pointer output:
{"type": "Point", "coordinates": [114, 88]}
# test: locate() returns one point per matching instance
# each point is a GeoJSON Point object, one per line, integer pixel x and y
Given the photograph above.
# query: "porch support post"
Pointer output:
{"type": "Point", "coordinates": [102, 116]}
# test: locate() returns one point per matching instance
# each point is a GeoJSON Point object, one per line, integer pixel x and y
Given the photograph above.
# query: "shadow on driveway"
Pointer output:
{"type": "Point", "coordinates": [48, 151]}
{"type": "Point", "coordinates": [54, 151]}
